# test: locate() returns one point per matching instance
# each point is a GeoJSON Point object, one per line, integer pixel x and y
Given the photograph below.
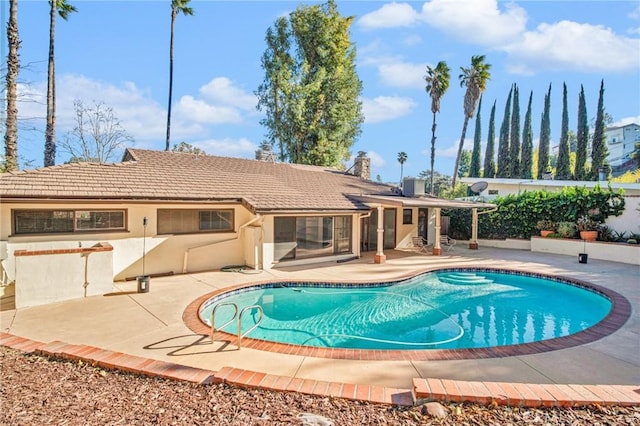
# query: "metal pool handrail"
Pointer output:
{"type": "Point", "coordinates": [240, 336]}
{"type": "Point", "coordinates": [239, 317]}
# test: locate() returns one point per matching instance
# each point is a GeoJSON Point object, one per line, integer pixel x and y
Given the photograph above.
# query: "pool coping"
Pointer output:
{"type": "Point", "coordinates": [424, 389]}
{"type": "Point", "coordinates": [615, 319]}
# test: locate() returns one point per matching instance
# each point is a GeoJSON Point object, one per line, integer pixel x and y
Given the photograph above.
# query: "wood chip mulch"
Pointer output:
{"type": "Point", "coordinates": [38, 390]}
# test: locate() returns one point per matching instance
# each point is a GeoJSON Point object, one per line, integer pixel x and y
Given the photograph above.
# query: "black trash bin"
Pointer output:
{"type": "Point", "coordinates": [582, 257]}
{"type": "Point", "coordinates": [143, 283]}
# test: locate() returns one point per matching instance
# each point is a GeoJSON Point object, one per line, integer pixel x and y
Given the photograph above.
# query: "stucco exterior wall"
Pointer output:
{"type": "Point", "coordinates": [174, 253]}
{"type": "Point", "coordinates": [53, 276]}
{"type": "Point", "coordinates": [615, 252]}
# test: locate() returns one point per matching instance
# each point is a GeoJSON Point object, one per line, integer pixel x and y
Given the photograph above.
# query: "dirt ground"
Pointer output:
{"type": "Point", "coordinates": [37, 390]}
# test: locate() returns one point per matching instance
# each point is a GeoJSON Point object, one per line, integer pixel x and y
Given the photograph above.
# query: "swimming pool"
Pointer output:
{"type": "Point", "coordinates": [448, 309]}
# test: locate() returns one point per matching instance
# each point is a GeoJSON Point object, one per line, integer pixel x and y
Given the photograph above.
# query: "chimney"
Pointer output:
{"type": "Point", "coordinates": [362, 166]}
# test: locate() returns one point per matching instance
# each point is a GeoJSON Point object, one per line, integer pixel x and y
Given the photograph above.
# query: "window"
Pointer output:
{"type": "Point", "coordinates": [194, 221]}
{"type": "Point", "coordinates": [407, 216]}
{"type": "Point", "coordinates": [311, 236]}
{"type": "Point", "coordinates": [67, 221]}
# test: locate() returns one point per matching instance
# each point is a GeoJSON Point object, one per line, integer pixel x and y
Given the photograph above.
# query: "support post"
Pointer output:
{"type": "Point", "coordinates": [473, 244]}
{"type": "Point", "coordinates": [380, 256]}
{"type": "Point", "coordinates": [437, 250]}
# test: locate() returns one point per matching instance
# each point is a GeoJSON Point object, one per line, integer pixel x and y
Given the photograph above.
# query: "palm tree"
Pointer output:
{"type": "Point", "coordinates": [437, 84]}
{"type": "Point", "coordinates": [402, 158]}
{"type": "Point", "coordinates": [475, 79]}
{"type": "Point", "coordinates": [62, 8]}
{"type": "Point", "coordinates": [13, 64]}
{"type": "Point", "coordinates": [177, 6]}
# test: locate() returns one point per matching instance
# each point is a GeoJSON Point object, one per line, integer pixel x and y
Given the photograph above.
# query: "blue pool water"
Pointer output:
{"type": "Point", "coordinates": [445, 309]}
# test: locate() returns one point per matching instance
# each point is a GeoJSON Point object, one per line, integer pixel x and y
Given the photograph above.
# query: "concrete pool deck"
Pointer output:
{"type": "Point", "coordinates": [150, 326]}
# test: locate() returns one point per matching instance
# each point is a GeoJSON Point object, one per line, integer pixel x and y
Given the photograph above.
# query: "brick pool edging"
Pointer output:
{"type": "Point", "coordinates": [500, 393]}
{"type": "Point", "coordinates": [619, 314]}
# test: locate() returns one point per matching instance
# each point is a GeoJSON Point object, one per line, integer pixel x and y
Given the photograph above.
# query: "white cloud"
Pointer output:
{"type": "Point", "coordinates": [228, 147]}
{"type": "Point", "coordinates": [222, 90]}
{"type": "Point", "coordinates": [452, 150]}
{"type": "Point", "coordinates": [402, 74]}
{"type": "Point", "coordinates": [384, 108]}
{"type": "Point", "coordinates": [633, 31]}
{"type": "Point", "coordinates": [475, 21]}
{"type": "Point", "coordinates": [142, 117]}
{"type": "Point", "coordinates": [390, 15]}
{"type": "Point", "coordinates": [626, 120]}
{"type": "Point", "coordinates": [569, 45]}
{"type": "Point", "coordinates": [635, 13]}
{"type": "Point", "coordinates": [189, 108]}
{"type": "Point", "coordinates": [412, 40]}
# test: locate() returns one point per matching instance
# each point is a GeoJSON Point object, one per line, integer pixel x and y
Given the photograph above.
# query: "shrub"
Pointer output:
{"type": "Point", "coordinates": [567, 229]}
{"type": "Point", "coordinates": [546, 225]}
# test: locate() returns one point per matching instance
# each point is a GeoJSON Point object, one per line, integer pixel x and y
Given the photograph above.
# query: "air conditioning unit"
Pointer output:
{"type": "Point", "coordinates": [413, 187]}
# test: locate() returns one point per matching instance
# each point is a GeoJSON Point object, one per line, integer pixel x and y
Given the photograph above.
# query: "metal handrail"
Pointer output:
{"type": "Point", "coordinates": [240, 335]}
{"type": "Point", "coordinates": [213, 315]}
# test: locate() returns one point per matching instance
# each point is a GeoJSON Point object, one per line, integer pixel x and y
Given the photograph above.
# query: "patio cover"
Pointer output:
{"type": "Point", "coordinates": [379, 201]}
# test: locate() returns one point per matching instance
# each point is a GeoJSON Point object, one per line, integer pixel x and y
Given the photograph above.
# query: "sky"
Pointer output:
{"type": "Point", "coordinates": [117, 53]}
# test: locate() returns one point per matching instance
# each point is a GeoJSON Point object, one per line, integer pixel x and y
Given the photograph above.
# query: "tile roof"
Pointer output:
{"type": "Point", "coordinates": [166, 175]}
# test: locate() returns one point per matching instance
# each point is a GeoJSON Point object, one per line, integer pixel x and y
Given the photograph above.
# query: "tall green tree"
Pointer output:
{"type": "Point", "coordinates": [563, 169]}
{"type": "Point", "coordinates": [474, 168]}
{"type": "Point", "coordinates": [437, 79]}
{"type": "Point", "coordinates": [177, 6]}
{"type": "Point", "coordinates": [465, 163]}
{"type": "Point", "coordinates": [489, 154]}
{"type": "Point", "coordinates": [514, 136]}
{"type": "Point", "coordinates": [63, 9]}
{"type": "Point", "coordinates": [545, 136]}
{"type": "Point", "coordinates": [475, 79]}
{"type": "Point", "coordinates": [274, 93]}
{"type": "Point", "coordinates": [13, 65]}
{"type": "Point", "coordinates": [323, 112]}
{"type": "Point", "coordinates": [402, 158]}
{"type": "Point", "coordinates": [582, 139]}
{"type": "Point", "coordinates": [526, 159]}
{"type": "Point", "coordinates": [503, 141]}
{"type": "Point", "coordinates": [599, 150]}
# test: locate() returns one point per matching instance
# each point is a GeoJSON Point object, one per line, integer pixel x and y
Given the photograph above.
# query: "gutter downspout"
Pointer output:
{"type": "Point", "coordinates": [185, 259]}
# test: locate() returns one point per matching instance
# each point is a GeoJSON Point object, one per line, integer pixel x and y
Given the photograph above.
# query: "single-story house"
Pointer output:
{"type": "Point", "coordinates": [160, 212]}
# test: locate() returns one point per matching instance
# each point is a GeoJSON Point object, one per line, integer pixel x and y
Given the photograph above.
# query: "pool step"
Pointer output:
{"type": "Point", "coordinates": [463, 278]}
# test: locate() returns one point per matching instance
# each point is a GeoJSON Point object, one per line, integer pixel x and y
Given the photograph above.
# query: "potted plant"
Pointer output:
{"type": "Point", "coordinates": [588, 228]}
{"type": "Point", "coordinates": [546, 227]}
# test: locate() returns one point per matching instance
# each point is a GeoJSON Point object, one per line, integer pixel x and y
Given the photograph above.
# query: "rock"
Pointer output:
{"type": "Point", "coordinates": [309, 419]}
{"type": "Point", "coordinates": [435, 409]}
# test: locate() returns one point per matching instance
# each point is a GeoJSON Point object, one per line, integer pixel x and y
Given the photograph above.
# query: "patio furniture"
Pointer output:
{"type": "Point", "coordinates": [421, 245]}
{"type": "Point", "coordinates": [446, 242]}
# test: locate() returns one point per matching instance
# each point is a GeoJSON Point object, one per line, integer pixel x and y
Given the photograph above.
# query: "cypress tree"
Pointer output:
{"type": "Point", "coordinates": [489, 154]}
{"type": "Point", "coordinates": [474, 168]}
{"type": "Point", "coordinates": [503, 142]}
{"type": "Point", "coordinates": [545, 136]}
{"type": "Point", "coordinates": [526, 161]}
{"type": "Point", "coordinates": [599, 145]}
{"type": "Point", "coordinates": [582, 138]}
{"type": "Point", "coordinates": [563, 169]}
{"type": "Point", "coordinates": [514, 144]}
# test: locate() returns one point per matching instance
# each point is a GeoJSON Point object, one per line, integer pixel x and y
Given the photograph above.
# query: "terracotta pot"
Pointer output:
{"type": "Point", "coordinates": [545, 233]}
{"type": "Point", "coordinates": [589, 235]}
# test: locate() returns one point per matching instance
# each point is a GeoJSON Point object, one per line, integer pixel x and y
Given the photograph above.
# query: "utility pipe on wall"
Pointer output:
{"type": "Point", "coordinates": [185, 260]}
